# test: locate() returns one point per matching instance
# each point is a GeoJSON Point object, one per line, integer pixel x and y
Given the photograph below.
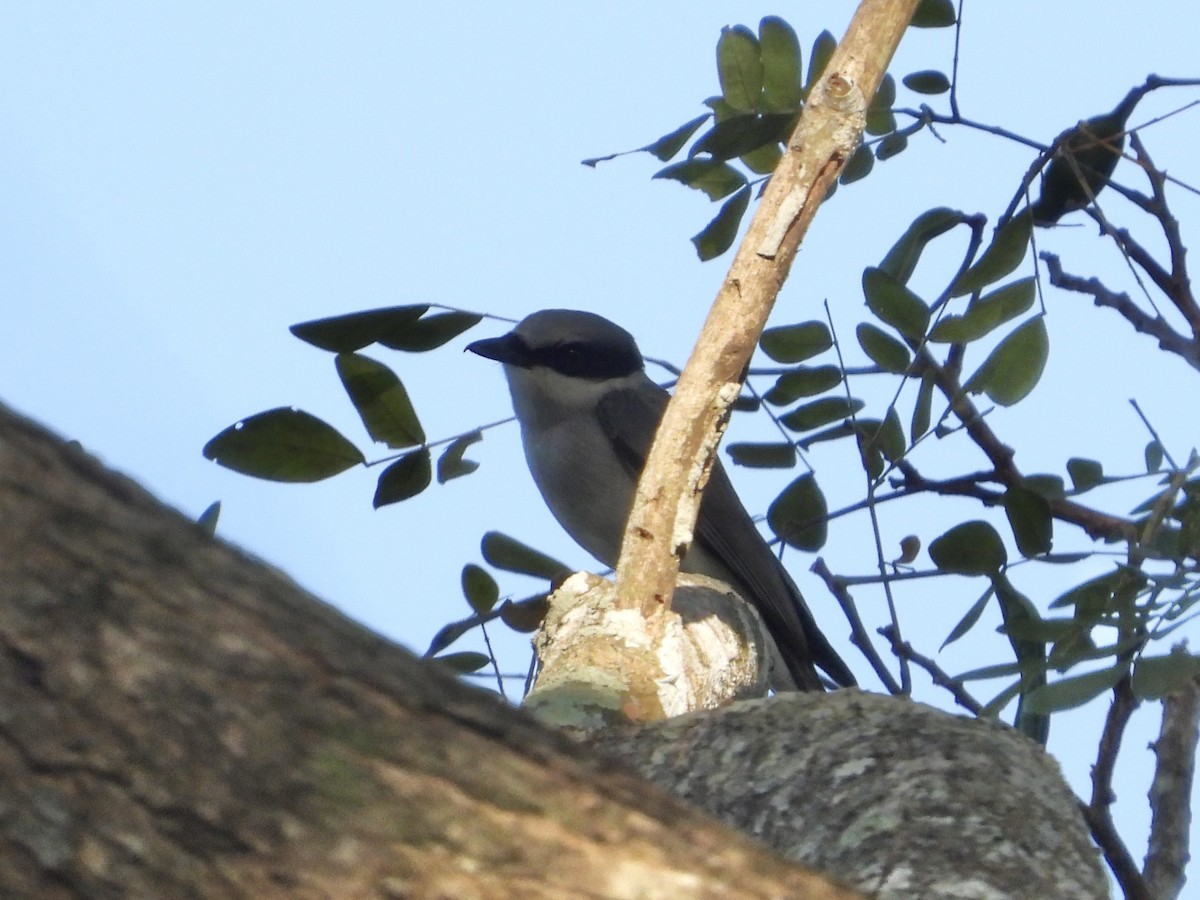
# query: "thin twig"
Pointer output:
{"type": "Point", "coordinates": [859, 636]}
{"type": "Point", "coordinates": [904, 650]}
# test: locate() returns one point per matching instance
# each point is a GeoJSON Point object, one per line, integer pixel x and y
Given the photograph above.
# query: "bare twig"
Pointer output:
{"type": "Point", "coordinates": [1098, 811]}
{"type": "Point", "coordinates": [1171, 791]}
{"type": "Point", "coordinates": [858, 632]}
{"type": "Point", "coordinates": [940, 678]}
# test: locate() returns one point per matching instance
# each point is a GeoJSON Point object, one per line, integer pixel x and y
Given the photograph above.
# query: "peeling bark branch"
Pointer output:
{"type": "Point", "coordinates": [661, 523]}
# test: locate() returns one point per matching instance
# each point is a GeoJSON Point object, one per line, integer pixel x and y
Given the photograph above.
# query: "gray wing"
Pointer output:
{"type": "Point", "coordinates": [727, 532]}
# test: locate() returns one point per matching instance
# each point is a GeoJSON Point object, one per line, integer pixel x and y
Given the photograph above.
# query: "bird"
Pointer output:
{"type": "Point", "coordinates": [588, 412]}
{"type": "Point", "coordinates": [1084, 163]}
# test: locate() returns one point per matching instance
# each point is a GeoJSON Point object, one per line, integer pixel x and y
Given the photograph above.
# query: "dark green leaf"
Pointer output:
{"type": "Point", "coordinates": [883, 349]}
{"type": "Point", "coordinates": [1085, 473]}
{"type": "Point", "coordinates": [922, 409]}
{"type": "Point", "coordinates": [927, 81]}
{"type": "Point", "coordinates": [1156, 676]}
{"type": "Point", "coordinates": [895, 304]}
{"type": "Point", "coordinates": [511, 555]}
{"type": "Point", "coordinates": [1019, 612]}
{"type": "Point", "coordinates": [480, 589]}
{"type": "Point", "coordinates": [796, 343]}
{"type": "Point", "coordinates": [719, 234]}
{"type": "Point", "coordinates": [891, 436]}
{"type": "Point", "coordinates": [208, 518]}
{"type": "Point", "coordinates": [1014, 368]}
{"type": "Point", "coordinates": [798, 515]}
{"type": "Point", "coordinates": [716, 179]}
{"type": "Point", "coordinates": [1154, 456]}
{"type": "Point", "coordinates": [1068, 693]}
{"type": "Point", "coordinates": [763, 160]}
{"type": "Point", "coordinates": [836, 433]}
{"type": "Point", "coordinates": [763, 456]}
{"type": "Point", "coordinates": [890, 146]}
{"type": "Point", "coordinates": [803, 381]}
{"type": "Point", "coordinates": [405, 478]}
{"type": "Point", "coordinates": [451, 464]}
{"type": "Point", "coordinates": [741, 134]}
{"type": "Point", "coordinates": [283, 444]}
{"type": "Point", "coordinates": [822, 52]}
{"type": "Point", "coordinates": [381, 401]}
{"type": "Point", "coordinates": [670, 144]}
{"type": "Point", "coordinates": [1049, 486]}
{"type": "Point", "coordinates": [934, 14]}
{"type": "Point", "coordinates": [1040, 630]}
{"type": "Point", "coordinates": [860, 164]}
{"type": "Point", "coordinates": [780, 65]}
{"type": "Point", "coordinates": [820, 412]}
{"type": "Point", "coordinates": [526, 615]}
{"type": "Point", "coordinates": [1030, 519]}
{"type": "Point", "coordinates": [987, 314]}
{"type": "Point", "coordinates": [972, 548]}
{"type": "Point", "coordinates": [430, 332]}
{"type": "Point", "coordinates": [463, 663]}
{"type": "Point", "coordinates": [345, 334]}
{"type": "Point", "coordinates": [880, 119]}
{"type": "Point", "coordinates": [967, 622]}
{"type": "Point", "coordinates": [739, 66]}
{"type": "Point", "coordinates": [902, 259]}
{"type": "Point", "coordinates": [1005, 253]}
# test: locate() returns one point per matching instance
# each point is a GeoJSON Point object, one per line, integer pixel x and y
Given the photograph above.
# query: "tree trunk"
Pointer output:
{"type": "Point", "coordinates": [180, 720]}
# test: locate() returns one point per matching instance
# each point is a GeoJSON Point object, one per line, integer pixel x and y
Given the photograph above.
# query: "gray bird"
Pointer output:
{"type": "Point", "coordinates": [588, 413]}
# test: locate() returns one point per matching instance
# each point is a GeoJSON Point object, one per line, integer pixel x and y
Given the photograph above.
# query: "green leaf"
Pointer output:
{"type": "Point", "coordinates": [381, 401]}
{"type": "Point", "coordinates": [509, 554]}
{"type": "Point", "coordinates": [880, 119]}
{"type": "Point", "coordinates": [208, 519]}
{"type": "Point", "coordinates": [822, 52]}
{"type": "Point", "coordinates": [430, 332]}
{"type": "Point", "coordinates": [1015, 366]}
{"type": "Point", "coordinates": [883, 349]}
{"type": "Point", "coordinates": [986, 314]}
{"type": "Point", "coordinates": [716, 179]}
{"type": "Point", "coordinates": [1154, 456]}
{"type": "Point", "coordinates": [463, 663]}
{"type": "Point", "coordinates": [902, 259]}
{"type": "Point", "coordinates": [526, 615]}
{"type": "Point", "coordinates": [739, 66]}
{"type": "Point", "coordinates": [967, 622]}
{"type": "Point", "coordinates": [284, 444]}
{"type": "Point", "coordinates": [480, 589]}
{"type": "Point", "coordinates": [798, 515]}
{"type": "Point", "coordinates": [1069, 693]}
{"type": "Point", "coordinates": [1049, 486]}
{"type": "Point", "coordinates": [1030, 519]}
{"type": "Point", "coordinates": [741, 134]}
{"type": "Point", "coordinates": [796, 343]}
{"type": "Point", "coordinates": [892, 145]}
{"type": "Point", "coordinates": [1093, 598]}
{"type": "Point", "coordinates": [763, 456]}
{"type": "Point", "coordinates": [803, 381]}
{"type": "Point", "coordinates": [780, 53]}
{"type": "Point", "coordinates": [1156, 676]}
{"type": "Point", "coordinates": [1085, 473]}
{"type": "Point", "coordinates": [1040, 630]}
{"type": "Point", "coordinates": [895, 304]}
{"type": "Point", "coordinates": [859, 166]}
{"type": "Point", "coordinates": [891, 436]}
{"type": "Point", "coordinates": [670, 144]}
{"type": "Point", "coordinates": [719, 234]}
{"type": "Point", "coordinates": [764, 159]}
{"type": "Point", "coordinates": [922, 409]}
{"type": "Point", "coordinates": [820, 412]}
{"type": "Point", "coordinates": [405, 478]}
{"type": "Point", "coordinates": [927, 81]}
{"type": "Point", "coordinates": [971, 548]}
{"type": "Point", "coordinates": [1003, 255]}
{"type": "Point", "coordinates": [345, 334]}
{"type": "Point", "coordinates": [451, 465]}
{"type": "Point", "coordinates": [934, 14]}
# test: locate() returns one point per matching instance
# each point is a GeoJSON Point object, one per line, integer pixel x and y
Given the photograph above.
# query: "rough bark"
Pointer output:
{"type": "Point", "coordinates": [179, 720]}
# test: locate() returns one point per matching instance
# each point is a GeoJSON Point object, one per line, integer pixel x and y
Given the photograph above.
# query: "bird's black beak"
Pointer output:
{"type": "Point", "coordinates": [506, 349]}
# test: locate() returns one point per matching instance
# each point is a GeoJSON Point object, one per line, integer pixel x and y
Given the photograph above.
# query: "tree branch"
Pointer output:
{"type": "Point", "coordinates": [1170, 792]}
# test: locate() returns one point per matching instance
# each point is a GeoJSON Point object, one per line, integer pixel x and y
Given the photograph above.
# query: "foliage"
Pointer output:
{"type": "Point", "coordinates": [982, 334]}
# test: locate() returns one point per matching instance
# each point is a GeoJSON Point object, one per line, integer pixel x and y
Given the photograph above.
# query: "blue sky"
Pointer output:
{"type": "Point", "coordinates": [182, 182]}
